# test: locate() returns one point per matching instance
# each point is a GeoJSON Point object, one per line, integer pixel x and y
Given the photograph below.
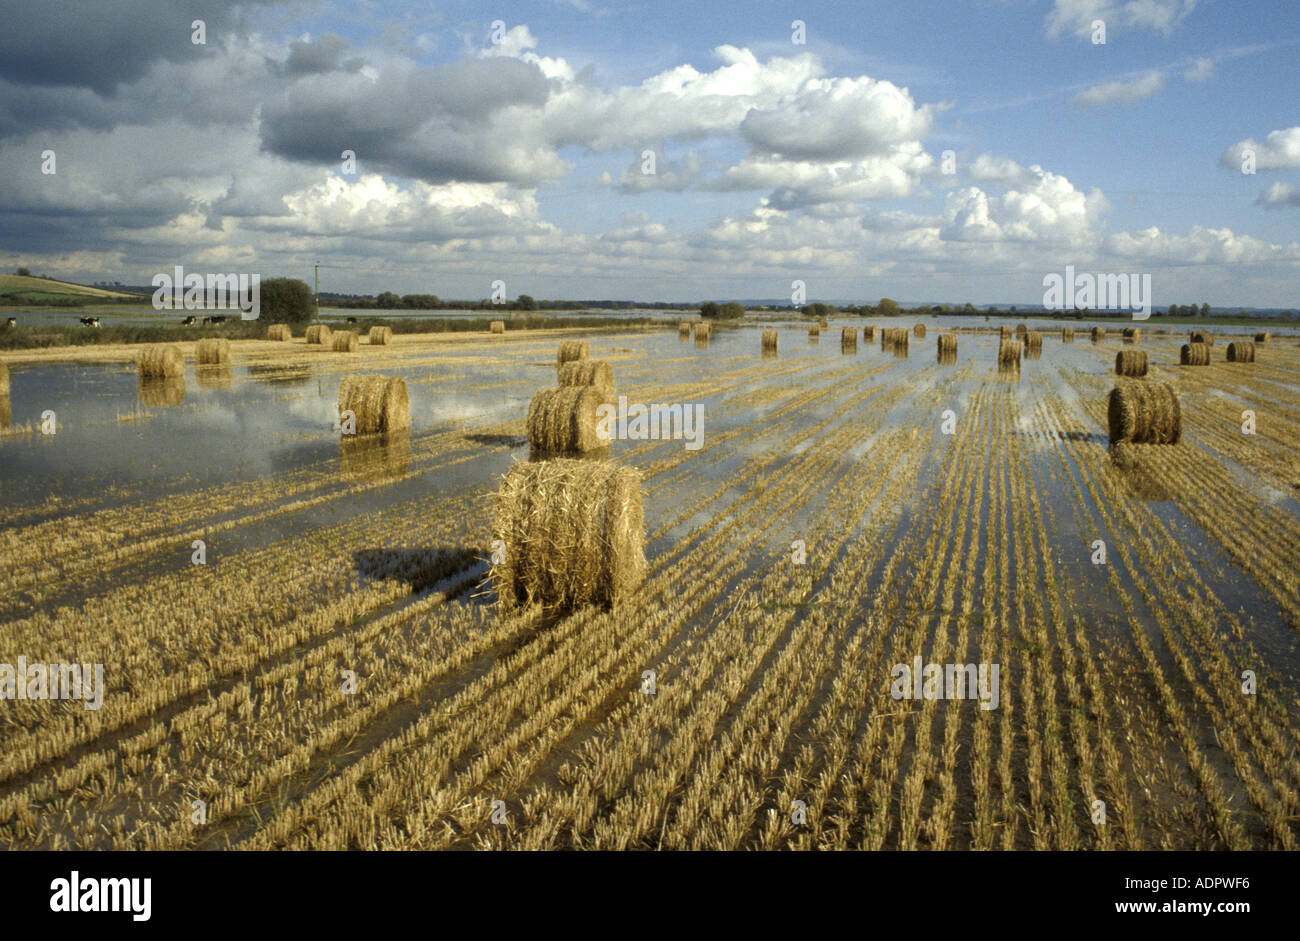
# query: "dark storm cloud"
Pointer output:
{"type": "Point", "coordinates": [100, 44]}
{"type": "Point", "coordinates": [324, 54]}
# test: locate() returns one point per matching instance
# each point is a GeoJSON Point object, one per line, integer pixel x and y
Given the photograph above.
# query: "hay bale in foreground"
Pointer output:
{"type": "Point", "coordinates": [4, 379]}
{"type": "Point", "coordinates": [570, 351]}
{"type": "Point", "coordinates": [1131, 363]}
{"type": "Point", "coordinates": [595, 373]}
{"type": "Point", "coordinates": [279, 331]}
{"type": "Point", "coordinates": [161, 392]}
{"type": "Point", "coordinates": [946, 344]}
{"type": "Point", "coordinates": [1241, 351]}
{"type": "Point", "coordinates": [769, 341]}
{"type": "Point", "coordinates": [848, 339]}
{"type": "Point", "coordinates": [1262, 338]}
{"type": "Point", "coordinates": [213, 351]}
{"type": "Point", "coordinates": [318, 333]}
{"type": "Point", "coordinates": [564, 420]}
{"type": "Point", "coordinates": [380, 403]}
{"type": "Point", "coordinates": [346, 341]}
{"type": "Point", "coordinates": [161, 362]}
{"type": "Point", "coordinates": [1194, 354]}
{"type": "Point", "coordinates": [497, 326]}
{"type": "Point", "coordinates": [381, 336]}
{"type": "Point", "coordinates": [1067, 334]}
{"type": "Point", "coordinates": [573, 534]}
{"type": "Point", "coordinates": [919, 331]}
{"type": "Point", "coordinates": [1201, 336]}
{"type": "Point", "coordinates": [1144, 413]}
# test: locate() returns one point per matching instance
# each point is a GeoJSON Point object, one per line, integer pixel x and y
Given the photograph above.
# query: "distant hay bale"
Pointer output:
{"type": "Point", "coordinates": [346, 341]}
{"type": "Point", "coordinates": [683, 330]}
{"type": "Point", "coordinates": [1067, 334]}
{"type": "Point", "coordinates": [161, 362]}
{"type": "Point", "coordinates": [895, 338]}
{"type": "Point", "coordinates": [572, 533]}
{"type": "Point", "coordinates": [4, 379]}
{"type": "Point", "coordinates": [214, 377]}
{"type": "Point", "coordinates": [919, 331]}
{"type": "Point", "coordinates": [497, 326]}
{"type": "Point", "coordinates": [869, 334]}
{"type": "Point", "coordinates": [1132, 334]}
{"type": "Point", "coordinates": [946, 344]}
{"type": "Point", "coordinates": [703, 331]}
{"type": "Point", "coordinates": [564, 420]}
{"type": "Point", "coordinates": [376, 456]}
{"type": "Point", "coordinates": [1033, 341]}
{"type": "Point", "coordinates": [380, 403]}
{"type": "Point", "coordinates": [595, 373]}
{"type": "Point", "coordinates": [1241, 351]}
{"type": "Point", "coordinates": [571, 351]}
{"type": "Point", "coordinates": [1194, 354]}
{"type": "Point", "coordinates": [769, 341]}
{"type": "Point", "coordinates": [381, 336]}
{"type": "Point", "coordinates": [823, 322]}
{"type": "Point", "coordinates": [1131, 363]}
{"type": "Point", "coordinates": [160, 392]}
{"type": "Point", "coordinates": [1021, 330]}
{"type": "Point", "coordinates": [1144, 413]}
{"type": "Point", "coordinates": [848, 339]}
{"type": "Point", "coordinates": [318, 333]}
{"type": "Point", "coordinates": [1262, 338]}
{"type": "Point", "coordinates": [1098, 333]}
{"type": "Point", "coordinates": [212, 352]}
{"type": "Point", "coordinates": [814, 330]}
{"type": "Point", "coordinates": [1009, 352]}
{"type": "Point", "coordinates": [1201, 336]}
{"type": "Point", "coordinates": [1004, 332]}
{"type": "Point", "coordinates": [279, 331]}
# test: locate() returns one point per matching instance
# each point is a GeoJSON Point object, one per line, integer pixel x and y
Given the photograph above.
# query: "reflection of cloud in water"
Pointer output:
{"type": "Point", "coordinates": [440, 409]}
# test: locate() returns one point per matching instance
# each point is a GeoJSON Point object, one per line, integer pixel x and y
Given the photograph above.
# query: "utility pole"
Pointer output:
{"type": "Point", "coordinates": [317, 291]}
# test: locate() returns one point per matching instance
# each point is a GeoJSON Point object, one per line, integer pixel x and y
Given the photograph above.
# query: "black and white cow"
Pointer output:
{"type": "Point", "coordinates": [11, 322]}
{"type": "Point", "coordinates": [90, 321]}
{"type": "Point", "coordinates": [189, 321]}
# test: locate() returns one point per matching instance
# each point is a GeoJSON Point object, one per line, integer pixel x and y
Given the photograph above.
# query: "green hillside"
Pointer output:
{"type": "Point", "coordinates": [34, 290]}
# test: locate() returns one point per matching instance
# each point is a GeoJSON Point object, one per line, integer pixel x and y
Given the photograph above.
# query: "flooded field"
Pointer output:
{"type": "Point", "coordinates": [846, 511]}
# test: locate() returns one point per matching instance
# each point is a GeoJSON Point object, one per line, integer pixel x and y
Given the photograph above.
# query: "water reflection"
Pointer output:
{"type": "Point", "coordinates": [376, 456]}
{"type": "Point", "coordinates": [283, 375]}
{"type": "Point", "coordinates": [215, 377]}
{"type": "Point", "coordinates": [6, 412]}
{"type": "Point", "coordinates": [162, 393]}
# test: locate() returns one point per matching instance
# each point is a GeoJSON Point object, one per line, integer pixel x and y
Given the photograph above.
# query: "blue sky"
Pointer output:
{"type": "Point", "coordinates": [520, 160]}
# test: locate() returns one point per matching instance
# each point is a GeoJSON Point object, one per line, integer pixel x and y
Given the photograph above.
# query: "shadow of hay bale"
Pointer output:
{"type": "Point", "coordinates": [421, 567]}
{"type": "Point", "coordinates": [510, 441]}
{"type": "Point", "coordinates": [1139, 480]}
{"type": "Point", "coordinates": [598, 454]}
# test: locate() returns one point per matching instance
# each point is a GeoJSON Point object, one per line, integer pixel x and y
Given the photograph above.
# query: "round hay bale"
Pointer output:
{"type": "Point", "coordinates": [1262, 338]}
{"type": "Point", "coordinates": [318, 333]}
{"type": "Point", "coordinates": [1067, 334]}
{"type": "Point", "coordinates": [814, 330]}
{"type": "Point", "coordinates": [1194, 354]}
{"type": "Point", "coordinates": [595, 373]}
{"type": "Point", "coordinates": [1241, 351]}
{"type": "Point", "coordinates": [848, 339]}
{"type": "Point", "coordinates": [564, 420]}
{"type": "Point", "coordinates": [1033, 341]}
{"type": "Point", "coordinates": [1144, 413]}
{"type": "Point", "coordinates": [1132, 334]}
{"type": "Point", "coordinates": [279, 331]}
{"type": "Point", "coordinates": [346, 341]}
{"type": "Point", "coordinates": [1098, 334]}
{"type": "Point", "coordinates": [1009, 352]}
{"type": "Point", "coordinates": [1021, 330]}
{"type": "Point", "coordinates": [573, 534]}
{"type": "Point", "coordinates": [1201, 336]}
{"type": "Point", "coordinates": [570, 351]}
{"type": "Point", "coordinates": [683, 330]}
{"type": "Point", "coordinates": [919, 331]}
{"type": "Point", "coordinates": [380, 403]}
{"type": "Point", "coordinates": [161, 362]}
{"type": "Point", "coordinates": [703, 331]}
{"type": "Point", "coordinates": [161, 392]}
{"type": "Point", "coordinates": [212, 352]}
{"type": "Point", "coordinates": [946, 344]}
{"type": "Point", "coordinates": [497, 326]}
{"type": "Point", "coordinates": [215, 377]}
{"type": "Point", "coordinates": [1004, 332]}
{"type": "Point", "coordinates": [869, 334]}
{"type": "Point", "coordinates": [769, 341]}
{"type": "Point", "coordinates": [4, 379]}
{"type": "Point", "coordinates": [381, 336]}
{"type": "Point", "coordinates": [1131, 363]}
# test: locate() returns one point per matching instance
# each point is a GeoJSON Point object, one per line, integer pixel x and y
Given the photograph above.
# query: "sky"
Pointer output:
{"type": "Point", "coordinates": [929, 150]}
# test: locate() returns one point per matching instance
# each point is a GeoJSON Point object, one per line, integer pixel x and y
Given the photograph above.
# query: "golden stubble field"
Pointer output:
{"type": "Point", "coordinates": [1120, 683]}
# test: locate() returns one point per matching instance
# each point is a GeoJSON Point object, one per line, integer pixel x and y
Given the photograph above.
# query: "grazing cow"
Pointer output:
{"type": "Point", "coordinates": [352, 320]}
{"type": "Point", "coordinates": [221, 319]}
{"type": "Point", "coordinates": [90, 321]}
{"type": "Point", "coordinates": [11, 322]}
{"type": "Point", "coordinates": [190, 321]}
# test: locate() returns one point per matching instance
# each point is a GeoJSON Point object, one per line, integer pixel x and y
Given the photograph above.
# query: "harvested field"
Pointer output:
{"type": "Point", "coordinates": [450, 575]}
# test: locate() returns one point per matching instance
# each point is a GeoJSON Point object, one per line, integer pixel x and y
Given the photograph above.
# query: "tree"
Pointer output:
{"type": "Point", "coordinates": [1205, 310]}
{"type": "Point", "coordinates": [888, 307]}
{"type": "Point", "coordinates": [421, 301]}
{"type": "Point", "coordinates": [387, 300]}
{"type": "Point", "coordinates": [731, 311]}
{"type": "Point", "coordinates": [286, 300]}
{"type": "Point", "coordinates": [817, 309]}
{"type": "Point", "coordinates": [710, 309]}
{"type": "Point", "coordinates": [24, 272]}
{"type": "Point", "coordinates": [526, 302]}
